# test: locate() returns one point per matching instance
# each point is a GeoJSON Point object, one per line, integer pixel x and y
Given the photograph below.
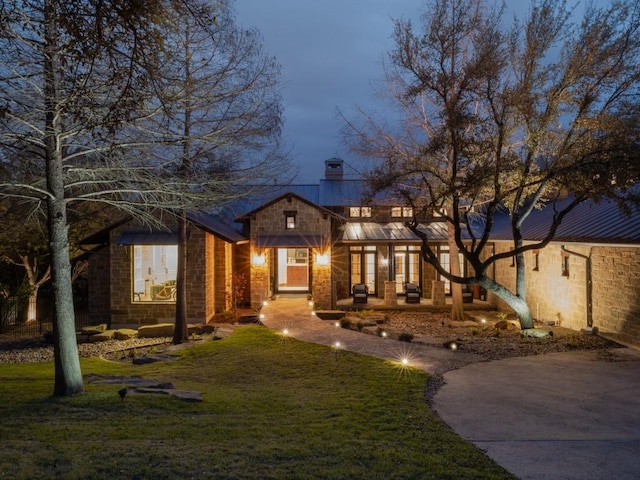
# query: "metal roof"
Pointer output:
{"type": "Point", "coordinates": [217, 226]}
{"type": "Point", "coordinates": [360, 232]}
{"type": "Point", "coordinates": [590, 222]}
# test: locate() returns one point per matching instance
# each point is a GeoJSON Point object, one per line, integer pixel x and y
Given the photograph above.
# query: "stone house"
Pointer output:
{"type": "Point", "coordinates": [588, 276]}
{"type": "Point", "coordinates": [320, 240]}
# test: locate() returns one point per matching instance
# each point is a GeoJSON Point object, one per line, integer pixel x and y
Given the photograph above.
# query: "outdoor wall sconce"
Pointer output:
{"type": "Point", "coordinates": [384, 261]}
{"type": "Point", "coordinates": [322, 259]}
{"type": "Point", "coordinates": [258, 260]}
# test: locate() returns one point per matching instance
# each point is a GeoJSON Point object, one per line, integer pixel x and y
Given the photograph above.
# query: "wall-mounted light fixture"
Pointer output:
{"type": "Point", "coordinates": [258, 260]}
{"type": "Point", "coordinates": [384, 261]}
{"type": "Point", "coordinates": [322, 259]}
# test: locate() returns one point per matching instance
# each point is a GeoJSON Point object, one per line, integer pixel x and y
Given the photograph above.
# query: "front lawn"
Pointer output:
{"type": "Point", "coordinates": [273, 409]}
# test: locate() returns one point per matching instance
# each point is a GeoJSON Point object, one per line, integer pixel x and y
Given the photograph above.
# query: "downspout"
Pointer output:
{"type": "Point", "coordinates": [588, 287]}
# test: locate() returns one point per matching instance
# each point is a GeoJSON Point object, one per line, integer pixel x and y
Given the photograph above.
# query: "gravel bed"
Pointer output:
{"type": "Point", "coordinates": [489, 342]}
{"type": "Point", "coordinates": [434, 328]}
{"type": "Point", "coordinates": [29, 349]}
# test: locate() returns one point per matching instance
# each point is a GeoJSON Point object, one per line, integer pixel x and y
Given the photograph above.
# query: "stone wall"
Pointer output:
{"type": "Point", "coordinates": [124, 311]}
{"type": "Point", "coordinates": [340, 268]}
{"type": "Point", "coordinates": [553, 296]}
{"type": "Point", "coordinates": [310, 220]}
{"type": "Point", "coordinates": [321, 284]}
{"type": "Point", "coordinates": [98, 277]}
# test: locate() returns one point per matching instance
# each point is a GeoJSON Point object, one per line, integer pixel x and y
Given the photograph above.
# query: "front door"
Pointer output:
{"type": "Point", "coordinates": [292, 270]}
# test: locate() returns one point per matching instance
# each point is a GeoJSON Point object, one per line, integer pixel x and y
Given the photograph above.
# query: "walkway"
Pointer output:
{"type": "Point", "coordinates": [295, 315]}
{"type": "Point", "coordinates": [558, 416]}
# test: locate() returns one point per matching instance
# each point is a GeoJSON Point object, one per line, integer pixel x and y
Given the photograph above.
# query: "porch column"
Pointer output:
{"type": "Point", "coordinates": [437, 292]}
{"type": "Point", "coordinates": [390, 296]}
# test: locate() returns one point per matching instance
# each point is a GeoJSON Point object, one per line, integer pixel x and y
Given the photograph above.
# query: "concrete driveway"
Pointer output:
{"type": "Point", "coordinates": [560, 416]}
{"type": "Point", "coordinates": [557, 416]}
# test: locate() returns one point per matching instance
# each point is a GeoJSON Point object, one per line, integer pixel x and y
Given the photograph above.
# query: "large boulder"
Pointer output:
{"type": "Point", "coordinates": [536, 333]}
{"type": "Point", "coordinates": [154, 331]}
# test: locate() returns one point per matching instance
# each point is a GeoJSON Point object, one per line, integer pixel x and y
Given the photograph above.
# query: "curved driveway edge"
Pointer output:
{"type": "Point", "coordinates": [559, 416]}
{"type": "Point", "coordinates": [556, 416]}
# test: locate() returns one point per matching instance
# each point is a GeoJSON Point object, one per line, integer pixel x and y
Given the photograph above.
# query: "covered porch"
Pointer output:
{"type": "Point", "coordinates": [425, 305]}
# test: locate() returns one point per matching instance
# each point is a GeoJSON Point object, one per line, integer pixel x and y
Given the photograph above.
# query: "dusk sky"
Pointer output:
{"type": "Point", "coordinates": [331, 53]}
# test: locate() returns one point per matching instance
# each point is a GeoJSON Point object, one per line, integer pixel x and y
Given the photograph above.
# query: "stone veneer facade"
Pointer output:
{"type": "Point", "coordinates": [552, 296]}
{"type": "Point", "coordinates": [209, 276]}
{"type": "Point", "coordinates": [309, 220]}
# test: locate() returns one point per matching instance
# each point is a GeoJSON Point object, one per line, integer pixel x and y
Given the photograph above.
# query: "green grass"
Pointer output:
{"type": "Point", "coordinates": [273, 409]}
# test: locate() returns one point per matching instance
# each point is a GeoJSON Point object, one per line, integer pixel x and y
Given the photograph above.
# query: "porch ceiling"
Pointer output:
{"type": "Point", "coordinates": [291, 240]}
{"type": "Point", "coordinates": [391, 232]}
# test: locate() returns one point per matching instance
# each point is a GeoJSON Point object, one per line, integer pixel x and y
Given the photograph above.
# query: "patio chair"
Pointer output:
{"type": "Point", "coordinates": [467, 294]}
{"type": "Point", "coordinates": [360, 293]}
{"type": "Point", "coordinates": [411, 293]}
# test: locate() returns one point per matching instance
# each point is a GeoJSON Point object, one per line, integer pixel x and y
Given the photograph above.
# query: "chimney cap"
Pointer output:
{"type": "Point", "coordinates": [333, 169]}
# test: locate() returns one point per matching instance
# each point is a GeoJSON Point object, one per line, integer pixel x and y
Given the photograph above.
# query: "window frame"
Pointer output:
{"type": "Point", "coordinates": [153, 272]}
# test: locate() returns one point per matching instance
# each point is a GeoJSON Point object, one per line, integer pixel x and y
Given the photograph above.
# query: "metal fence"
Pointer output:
{"type": "Point", "coordinates": [13, 318]}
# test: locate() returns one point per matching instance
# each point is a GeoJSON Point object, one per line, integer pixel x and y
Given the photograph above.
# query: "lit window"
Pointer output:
{"type": "Point", "coordinates": [154, 273]}
{"type": "Point", "coordinates": [360, 211]}
{"type": "Point", "coordinates": [405, 212]}
{"type": "Point", "coordinates": [291, 222]}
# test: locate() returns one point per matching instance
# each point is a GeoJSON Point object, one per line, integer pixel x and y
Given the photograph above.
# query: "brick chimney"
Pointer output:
{"type": "Point", "coordinates": [333, 169]}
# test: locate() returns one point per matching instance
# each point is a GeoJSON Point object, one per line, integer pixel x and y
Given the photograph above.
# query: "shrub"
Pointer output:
{"type": "Point", "coordinates": [405, 337]}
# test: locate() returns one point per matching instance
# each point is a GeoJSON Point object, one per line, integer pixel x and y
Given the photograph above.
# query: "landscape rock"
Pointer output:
{"type": "Point", "coordinates": [102, 337]}
{"type": "Point", "coordinates": [158, 330]}
{"type": "Point", "coordinates": [93, 329]}
{"type": "Point", "coordinates": [536, 333]}
{"type": "Point", "coordinates": [153, 358]}
{"type": "Point", "coordinates": [125, 334]}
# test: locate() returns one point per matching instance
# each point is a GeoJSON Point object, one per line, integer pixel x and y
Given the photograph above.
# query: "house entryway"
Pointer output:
{"type": "Point", "coordinates": [292, 272]}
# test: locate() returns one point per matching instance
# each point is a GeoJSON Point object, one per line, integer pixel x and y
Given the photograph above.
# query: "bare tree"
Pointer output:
{"type": "Point", "coordinates": [221, 114]}
{"type": "Point", "coordinates": [78, 94]}
{"type": "Point", "coordinates": [507, 120]}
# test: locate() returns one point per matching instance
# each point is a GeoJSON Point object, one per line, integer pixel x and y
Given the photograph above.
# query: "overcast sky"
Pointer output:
{"type": "Point", "coordinates": [331, 53]}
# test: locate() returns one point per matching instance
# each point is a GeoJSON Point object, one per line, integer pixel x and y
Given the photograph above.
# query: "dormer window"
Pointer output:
{"type": "Point", "coordinates": [356, 212]}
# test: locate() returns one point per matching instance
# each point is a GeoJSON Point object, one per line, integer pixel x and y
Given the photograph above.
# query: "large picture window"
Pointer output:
{"type": "Point", "coordinates": [154, 273]}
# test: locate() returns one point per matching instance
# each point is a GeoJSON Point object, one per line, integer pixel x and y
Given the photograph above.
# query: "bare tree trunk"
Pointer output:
{"type": "Point", "coordinates": [34, 285]}
{"type": "Point", "coordinates": [457, 305]}
{"type": "Point", "coordinates": [515, 302]}
{"type": "Point", "coordinates": [68, 376]}
{"type": "Point", "coordinates": [181, 333]}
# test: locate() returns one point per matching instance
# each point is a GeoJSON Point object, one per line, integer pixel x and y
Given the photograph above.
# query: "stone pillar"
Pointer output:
{"type": "Point", "coordinates": [437, 292]}
{"type": "Point", "coordinates": [390, 296]}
